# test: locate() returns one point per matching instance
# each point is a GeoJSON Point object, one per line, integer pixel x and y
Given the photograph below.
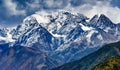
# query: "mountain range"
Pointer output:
{"type": "Point", "coordinates": [62, 36]}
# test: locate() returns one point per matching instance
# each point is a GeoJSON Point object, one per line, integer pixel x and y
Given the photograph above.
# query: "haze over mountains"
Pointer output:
{"type": "Point", "coordinates": [58, 37]}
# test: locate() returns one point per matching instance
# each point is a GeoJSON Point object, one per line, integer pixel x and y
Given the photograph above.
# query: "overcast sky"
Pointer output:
{"type": "Point", "coordinates": [12, 12]}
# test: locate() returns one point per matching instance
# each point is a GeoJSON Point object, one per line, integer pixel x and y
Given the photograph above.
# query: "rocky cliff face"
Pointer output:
{"type": "Point", "coordinates": [62, 35]}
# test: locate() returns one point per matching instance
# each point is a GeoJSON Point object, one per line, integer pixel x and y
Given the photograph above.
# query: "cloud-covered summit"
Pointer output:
{"type": "Point", "coordinates": [14, 11]}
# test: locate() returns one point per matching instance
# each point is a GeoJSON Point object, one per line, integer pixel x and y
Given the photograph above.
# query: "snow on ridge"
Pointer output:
{"type": "Point", "coordinates": [57, 35]}
{"type": "Point", "coordinates": [8, 38]}
{"type": "Point", "coordinates": [99, 37]}
{"type": "Point", "coordinates": [41, 19]}
{"type": "Point", "coordinates": [89, 35]}
{"type": "Point", "coordinates": [85, 28]}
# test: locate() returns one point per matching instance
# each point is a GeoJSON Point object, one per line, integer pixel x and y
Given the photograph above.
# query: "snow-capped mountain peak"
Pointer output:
{"type": "Point", "coordinates": [62, 34]}
{"type": "Point", "coordinates": [101, 21]}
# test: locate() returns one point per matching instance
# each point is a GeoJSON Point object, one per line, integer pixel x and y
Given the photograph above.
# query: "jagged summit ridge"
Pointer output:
{"type": "Point", "coordinates": [63, 35]}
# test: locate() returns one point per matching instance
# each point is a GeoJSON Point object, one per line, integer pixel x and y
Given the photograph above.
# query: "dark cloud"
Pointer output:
{"type": "Point", "coordinates": [22, 4]}
{"type": "Point", "coordinates": [115, 3]}
{"type": "Point", "coordinates": [54, 4]}
{"type": "Point", "coordinates": [77, 2]}
{"type": "Point", "coordinates": [0, 2]}
{"type": "Point", "coordinates": [41, 4]}
{"type": "Point", "coordinates": [82, 2]}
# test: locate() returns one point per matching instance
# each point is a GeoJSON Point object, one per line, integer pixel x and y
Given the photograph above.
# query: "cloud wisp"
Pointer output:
{"type": "Point", "coordinates": [12, 8]}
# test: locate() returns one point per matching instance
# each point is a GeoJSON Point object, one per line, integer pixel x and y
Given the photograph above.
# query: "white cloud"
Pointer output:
{"type": "Point", "coordinates": [11, 7]}
{"type": "Point", "coordinates": [34, 4]}
{"type": "Point", "coordinates": [89, 8]}
{"type": "Point", "coordinates": [55, 3]}
{"type": "Point", "coordinates": [99, 8]}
